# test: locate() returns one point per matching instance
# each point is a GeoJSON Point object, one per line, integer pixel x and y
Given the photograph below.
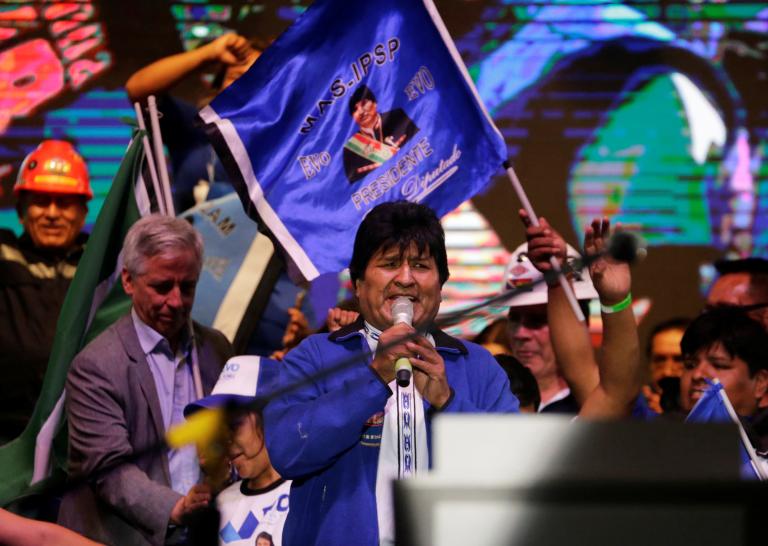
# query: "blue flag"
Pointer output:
{"type": "Point", "coordinates": [355, 104]}
{"type": "Point", "coordinates": [239, 270]}
{"type": "Point", "coordinates": [714, 407]}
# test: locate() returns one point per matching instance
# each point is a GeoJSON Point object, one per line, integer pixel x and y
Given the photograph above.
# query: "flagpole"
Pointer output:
{"type": "Point", "coordinates": [161, 165]}
{"type": "Point", "coordinates": [742, 433]}
{"type": "Point", "coordinates": [570, 296]}
{"type": "Point", "coordinates": [150, 158]}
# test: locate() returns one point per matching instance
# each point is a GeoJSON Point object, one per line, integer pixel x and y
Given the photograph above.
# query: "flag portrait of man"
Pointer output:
{"type": "Point", "coordinates": [379, 136]}
{"type": "Point", "coordinates": [388, 107]}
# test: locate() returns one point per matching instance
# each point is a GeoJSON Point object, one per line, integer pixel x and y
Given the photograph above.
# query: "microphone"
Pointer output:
{"type": "Point", "coordinates": [402, 311]}
{"type": "Point", "coordinates": [626, 247]}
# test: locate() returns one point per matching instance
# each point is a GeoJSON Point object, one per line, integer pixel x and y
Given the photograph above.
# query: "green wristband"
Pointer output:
{"type": "Point", "coordinates": [623, 304]}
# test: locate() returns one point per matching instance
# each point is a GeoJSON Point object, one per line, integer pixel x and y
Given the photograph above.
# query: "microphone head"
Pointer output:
{"type": "Point", "coordinates": [402, 310]}
{"type": "Point", "coordinates": [626, 247]}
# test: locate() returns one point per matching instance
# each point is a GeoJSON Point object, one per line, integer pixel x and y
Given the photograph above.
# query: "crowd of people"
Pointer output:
{"type": "Point", "coordinates": [314, 434]}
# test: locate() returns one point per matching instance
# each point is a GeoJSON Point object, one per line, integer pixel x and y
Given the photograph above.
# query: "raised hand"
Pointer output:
{"type": "Point", "coordinates": [229, 49]}
{"type": "Point", "coordinates": [338, 318]}
{"type": "Point", "coordinates": [297, 328]}
{"type": "Point", "coordinates": [543, 243]}
{"type": "Point", "coordinates": [389, 350]}
{"type": "Point", "coordinates": [612, 279]}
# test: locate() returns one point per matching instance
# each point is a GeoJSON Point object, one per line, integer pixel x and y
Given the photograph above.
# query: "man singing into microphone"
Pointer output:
{"type": "Point", "coordinates": [343, 438]}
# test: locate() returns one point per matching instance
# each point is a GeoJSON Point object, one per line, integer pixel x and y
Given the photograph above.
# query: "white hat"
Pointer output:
{"type": "Point", "coordinates": [520, 271]}
{"type": "Point", "coordinates": [242, 380]}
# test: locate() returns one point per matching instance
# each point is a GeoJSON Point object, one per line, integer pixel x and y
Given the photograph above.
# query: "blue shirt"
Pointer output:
{"type": "Point", "coordinates": [175, 389]}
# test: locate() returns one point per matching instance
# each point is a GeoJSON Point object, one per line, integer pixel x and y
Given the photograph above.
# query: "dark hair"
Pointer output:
{"type": "Point", "coordinates": [521, 381]}
{"type": "Point", "coordinates": [361, 93]}
{"type": "Point", "coordinates": [399, 223]}
{"type": "Point", "coordinates": [266, 535]}
{"type": "Point", "coordinates": [740, 336]}
{"type": "Point", "coordinates": [745, 265]}
{"type": "Point", "coordinates": [677, 323]}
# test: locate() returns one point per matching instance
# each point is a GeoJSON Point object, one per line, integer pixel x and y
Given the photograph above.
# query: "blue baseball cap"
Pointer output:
{"type": "Point", "coordinates": [241, 381]}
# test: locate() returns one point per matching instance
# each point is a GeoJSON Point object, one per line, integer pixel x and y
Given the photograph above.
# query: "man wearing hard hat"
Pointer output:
{"type": "Point", "coordinates": [52, 191]}
{"type": "Point", "coordinates": [528, 328]}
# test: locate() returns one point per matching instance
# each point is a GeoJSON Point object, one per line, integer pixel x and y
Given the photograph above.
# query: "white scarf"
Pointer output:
{"type": "Point", "coordinates": [403, 451]}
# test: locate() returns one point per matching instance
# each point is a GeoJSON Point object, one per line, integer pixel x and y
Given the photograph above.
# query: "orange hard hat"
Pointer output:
{"type": "Point", "coordinates": [54, 167]}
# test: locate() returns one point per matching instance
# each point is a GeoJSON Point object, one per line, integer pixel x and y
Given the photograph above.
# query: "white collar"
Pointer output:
{"type": "Point", "coordinates": [556, 398]}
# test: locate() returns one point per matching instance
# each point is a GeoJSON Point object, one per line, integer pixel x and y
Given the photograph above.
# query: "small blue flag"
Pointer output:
{"type": "Point", "coordinates": [714, 407]}
{"type": "Point", "coordinates": [355, 104]}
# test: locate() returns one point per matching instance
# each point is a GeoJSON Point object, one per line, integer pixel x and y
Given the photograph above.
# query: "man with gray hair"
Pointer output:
{"type": "Point", "coordinates": [130, 385]}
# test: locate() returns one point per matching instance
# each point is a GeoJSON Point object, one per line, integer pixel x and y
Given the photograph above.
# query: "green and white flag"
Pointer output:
{"type": "Point", "coordinates": [94, 301]}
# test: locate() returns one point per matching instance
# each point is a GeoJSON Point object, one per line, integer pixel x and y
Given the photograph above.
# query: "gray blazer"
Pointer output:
{"type": "Point", "coordinates": [113, 410]}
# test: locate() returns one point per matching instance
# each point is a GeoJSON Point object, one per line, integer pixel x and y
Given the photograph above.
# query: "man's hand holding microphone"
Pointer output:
{"type": "Point", "coordinates": [412, 359]}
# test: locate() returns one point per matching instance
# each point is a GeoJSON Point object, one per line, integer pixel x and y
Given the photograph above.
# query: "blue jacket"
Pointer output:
{"type": "Point", "coordinates": [326, 434]}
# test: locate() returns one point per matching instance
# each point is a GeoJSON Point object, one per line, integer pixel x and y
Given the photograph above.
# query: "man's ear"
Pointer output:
{"type": "Point", "coordinates": [356, 287]}
{"type": "Point", "coordinates": [127, 282]}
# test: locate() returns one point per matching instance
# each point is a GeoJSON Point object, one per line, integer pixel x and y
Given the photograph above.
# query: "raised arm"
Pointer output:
{"type": "Point", "coordinates": [161, 75]}
{"type": "Point", "coordinates": [569, 336]}
{"type": "Point", "coordinates": [621, 373]}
